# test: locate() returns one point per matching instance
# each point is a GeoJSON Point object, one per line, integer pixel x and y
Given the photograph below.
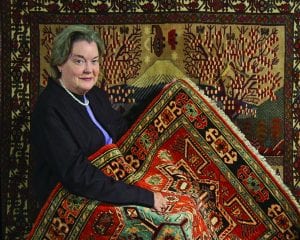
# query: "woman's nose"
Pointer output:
{"type": "Point", "coordinates": [88, 67]}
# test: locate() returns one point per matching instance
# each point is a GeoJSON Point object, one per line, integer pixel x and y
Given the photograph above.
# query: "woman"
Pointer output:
{"type": "Point", "coordinates": [72, 119]}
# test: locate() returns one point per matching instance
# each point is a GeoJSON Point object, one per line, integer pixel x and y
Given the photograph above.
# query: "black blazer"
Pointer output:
{"type": "Point", "coordinates": [63, 136]}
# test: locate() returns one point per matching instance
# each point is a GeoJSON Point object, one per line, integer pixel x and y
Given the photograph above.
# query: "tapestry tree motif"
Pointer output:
{"type": "Point", "coordinates": [239, 66]}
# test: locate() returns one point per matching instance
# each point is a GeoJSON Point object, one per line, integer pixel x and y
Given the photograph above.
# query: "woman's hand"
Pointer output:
{"type": "Point", "coordinates": [160, 202]}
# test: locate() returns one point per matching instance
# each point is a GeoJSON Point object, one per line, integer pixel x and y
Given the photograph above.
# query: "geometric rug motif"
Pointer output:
{"type": "Point", "coordinates": [216, 183]}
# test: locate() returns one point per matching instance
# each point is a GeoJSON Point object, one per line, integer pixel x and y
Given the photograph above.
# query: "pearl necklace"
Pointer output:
{"type": "Point", "coordinates": [72, 95]}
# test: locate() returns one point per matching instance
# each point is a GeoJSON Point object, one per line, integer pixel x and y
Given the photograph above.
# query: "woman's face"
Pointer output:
{"type": "Point", "coordinates": [80, 72]}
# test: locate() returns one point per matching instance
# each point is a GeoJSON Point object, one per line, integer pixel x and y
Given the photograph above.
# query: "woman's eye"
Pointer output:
{"type": "Point", "coordinates": [96, 61]}
{"type": "Point", "coordinates": [79, 61]}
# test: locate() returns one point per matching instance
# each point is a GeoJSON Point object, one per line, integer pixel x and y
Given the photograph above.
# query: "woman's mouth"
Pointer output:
{"type": "Point", "coordinates": [87, 79]}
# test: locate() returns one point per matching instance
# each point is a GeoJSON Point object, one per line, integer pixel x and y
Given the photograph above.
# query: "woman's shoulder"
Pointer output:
{"type": "Point", "coordinates": [51, 97]}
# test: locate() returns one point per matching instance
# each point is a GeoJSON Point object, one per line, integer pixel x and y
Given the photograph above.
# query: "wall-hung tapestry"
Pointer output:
{"type": "Point", "coordinates": [243, 55]}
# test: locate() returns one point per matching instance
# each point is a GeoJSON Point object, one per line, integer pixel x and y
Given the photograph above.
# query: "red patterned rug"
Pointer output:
{"type": "Point", "coordinates": [217, 185]}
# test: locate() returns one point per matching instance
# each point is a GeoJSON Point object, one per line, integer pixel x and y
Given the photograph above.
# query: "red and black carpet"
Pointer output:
{"type": "Point", "coordinates": [217, 185]}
